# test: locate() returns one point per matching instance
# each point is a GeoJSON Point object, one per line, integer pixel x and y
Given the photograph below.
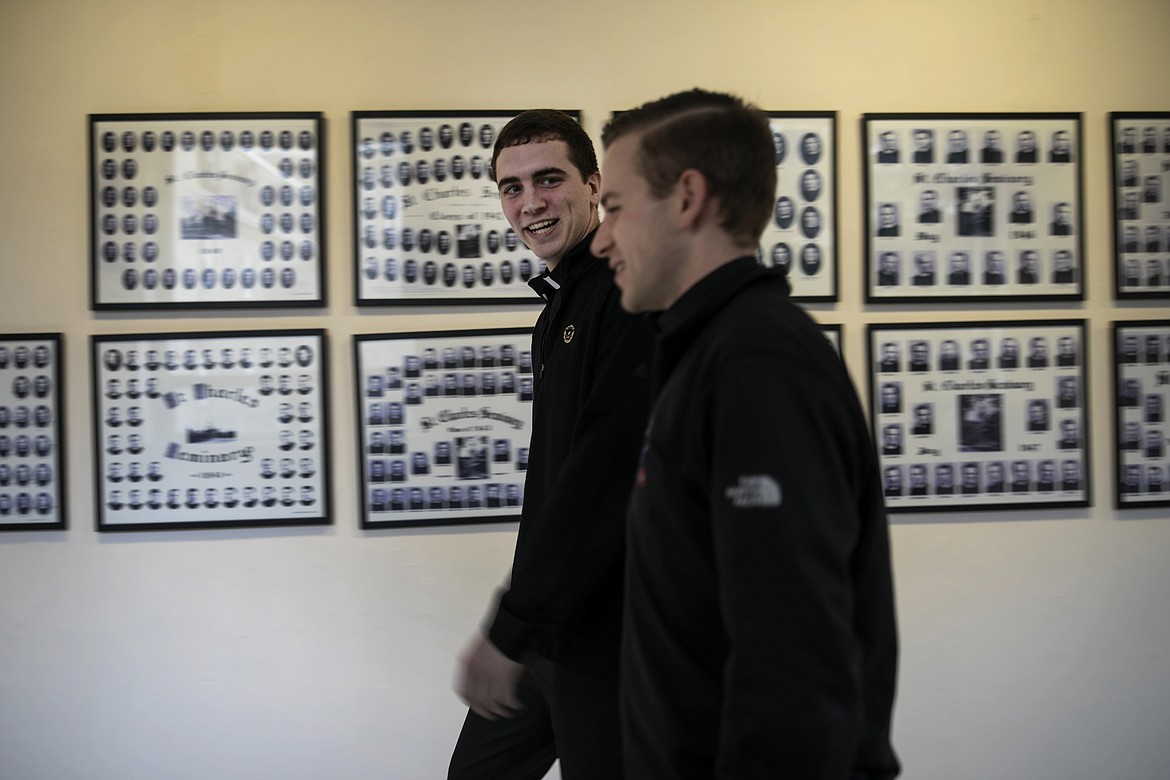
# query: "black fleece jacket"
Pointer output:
{"type": "Point", "coordinates": [760, 637]}
{"type": "Point", "coordinates": [592, 395]}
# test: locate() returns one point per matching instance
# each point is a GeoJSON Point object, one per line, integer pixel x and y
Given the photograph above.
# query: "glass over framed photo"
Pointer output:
{"type": "Point", "coordinates": [802, 234]}
{"type": "Point", "coordinates": [206, 210]}
{"type": "Point", "coordinates": [973, 206]}
{"type": "Point", "coordinates": [32, 441]}
{"type": "Point", "coordinates": [1141, 381]}
{"type": "Point", "coordinates": [1141, 204]}
{"type": "Point", "coordinates": [832, 332]}
{"type": "Point", "coordinates": [428, 227]}
{"type": "Point", "coordinates": [981, 415]}
{"type": "Point", "coordinates": [444, 419]}
{"type": "Point", "coordinates": [210, 430]}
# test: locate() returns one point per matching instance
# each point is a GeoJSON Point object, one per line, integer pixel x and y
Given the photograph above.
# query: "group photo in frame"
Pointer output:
{"type": "Point", "coordinates": [206, 210]}
{"type": "Point", "coordinates": [1140, 158]}
{"type": "Point", "coordinates": [1141, 381]}
{"type": "Point", "coordinates": [428, 226]}
{"type": "Point", "coordinates": [445, 420]}
{"type": "Point", "coordinates": [32, 442]}
{"type": "Point", "coordinates": [973, 207]}
{"type": "Point", "coordinates": [802, 234]}
{"type": "Point", "coordinates": [981, 415]}
{"type": "Point", "coordinates": [210, 430]}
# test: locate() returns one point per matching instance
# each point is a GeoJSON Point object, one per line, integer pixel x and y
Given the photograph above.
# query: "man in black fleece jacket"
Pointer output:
{"type": "Point", "coordinates": [760, 637]}
{"type": "Point", "coordinates": [542, 679]}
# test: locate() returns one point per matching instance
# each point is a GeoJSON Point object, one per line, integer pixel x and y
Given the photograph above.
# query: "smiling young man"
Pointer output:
{"type": "Point", "coordinates": [760, 637]}
{"type": "Point", "coordinates": [541, 679]}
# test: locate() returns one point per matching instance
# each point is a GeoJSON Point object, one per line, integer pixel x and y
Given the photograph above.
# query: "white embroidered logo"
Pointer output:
{"type": "Point", "coordinates": [754, 491]}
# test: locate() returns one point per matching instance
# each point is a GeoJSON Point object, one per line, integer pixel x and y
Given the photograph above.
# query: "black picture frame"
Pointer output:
{"type": "Point", "coordinates": [989, 415]}
{"type": "Point", "coordinates": [1141, 433]}
{"type": "Point", "coordinates": [989, 223]}
{"type": "Point", "coordinates": [197, 423]}
{"type": "Point", "coordinates": [834, 333]}
{"type": "Point", "coordinates": [1139, 144]}
{"type": "Point", "coordinates": [427, 224]}
{"type": "Point", "coordinates": [33, 482]}
{"type": "Point", "coordinates": [437, 444]}
{"type": "Point", "coordinates": [207, 210]}
{"type": "Point", "coordinates": [802, 233]}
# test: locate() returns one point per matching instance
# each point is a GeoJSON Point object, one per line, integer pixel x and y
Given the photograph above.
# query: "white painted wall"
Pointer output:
{"type": "Point", "coordinates": [1036, 644]}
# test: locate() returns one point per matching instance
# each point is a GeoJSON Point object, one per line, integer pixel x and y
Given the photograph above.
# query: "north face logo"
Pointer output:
{"type": "Point", "coordinates": [754, 491]}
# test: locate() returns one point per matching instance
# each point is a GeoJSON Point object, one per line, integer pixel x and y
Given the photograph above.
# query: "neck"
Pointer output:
{"type": "Point", "coordinates": [706, 256]}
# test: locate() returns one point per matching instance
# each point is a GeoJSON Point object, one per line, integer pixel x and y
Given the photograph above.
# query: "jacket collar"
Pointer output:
{"type": "Point", "coordinates": [569, 269]}
{"type": "Point", "coordinates": [678, 326]}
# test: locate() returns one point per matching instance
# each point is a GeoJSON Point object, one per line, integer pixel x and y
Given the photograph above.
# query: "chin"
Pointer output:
{"type": "Point", "coordinates": [632, 304]}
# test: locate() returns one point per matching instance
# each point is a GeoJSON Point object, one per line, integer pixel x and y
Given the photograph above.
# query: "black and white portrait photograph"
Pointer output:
{"type": "Point", "coordinates": [1140, 162]}
{"type": "Point", "coordinates": [802, 234]}
{"type": "Point", "coordinates": [1141, 382]}
{"type": "Point", "coordinates": [32, 444]}
{"type": "Point", "coordinates": [427, 220]}
{"type": "Point", "coordinates": [215, 221]}
{"type": "Point", "coordinates": [980, 415]}
{"type": "Point", "coordinates": [444, 420]}
{"type": "Point", "coordinates": [210, 430]}
{"type": "Point", "coordinates": [995, 199]}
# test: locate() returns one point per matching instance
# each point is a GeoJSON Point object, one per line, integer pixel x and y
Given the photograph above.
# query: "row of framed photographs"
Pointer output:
{"type": "Point", "coordinates": [222, 429]}
{"type": "Point", "coordinates": [227, 210]}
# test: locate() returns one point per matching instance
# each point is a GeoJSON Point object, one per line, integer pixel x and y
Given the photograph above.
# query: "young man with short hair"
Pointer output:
{"type": "Point", "coordinates": [760, 637]}
{"type": "Point", "coordinates": [542, 678]}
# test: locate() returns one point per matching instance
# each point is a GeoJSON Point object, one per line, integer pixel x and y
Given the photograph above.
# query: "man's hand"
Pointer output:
{"type": "Point", "coordinates": [487, 680]}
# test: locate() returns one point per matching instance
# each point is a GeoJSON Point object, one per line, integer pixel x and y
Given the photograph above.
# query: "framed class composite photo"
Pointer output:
{"type": "Point", "coordinates": [210, 430]}
{"type": "Point", "coordinates": [32, 442]}
{"type": "Point", "coordinates": [444, 419]}
{"type": "Point", "coordinates": [973, 207]}
{"type": "Point", "coordinates": [206, 210]}
{"type": "Point", "coordinates": [981, 415]}
{"type": "Point", "coordinates": [1140, 144]}
{"type": "Point", "coordinates": [1141, 381]}
{"type": "Point", "coordinates": [802, 234]}
{"type": "Point", "coordinates": [428, 227]}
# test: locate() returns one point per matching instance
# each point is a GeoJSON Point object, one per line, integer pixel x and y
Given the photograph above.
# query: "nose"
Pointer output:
{"type": "Point", "coordinates": [602, 241]}
{"type": "Point", "coordinates": [533, 200]}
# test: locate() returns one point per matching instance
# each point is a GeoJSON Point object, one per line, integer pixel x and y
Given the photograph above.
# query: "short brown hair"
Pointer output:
{"type": "Point", "coordinates": [723, 137]}
{"type": "Point", "coordinates": [546, 124]}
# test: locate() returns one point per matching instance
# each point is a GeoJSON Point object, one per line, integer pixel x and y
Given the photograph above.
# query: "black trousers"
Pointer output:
{"type": "Point", "coordinates": [566, 715]}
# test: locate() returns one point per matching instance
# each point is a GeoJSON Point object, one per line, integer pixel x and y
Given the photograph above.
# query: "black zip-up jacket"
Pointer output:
{"type": "Point", "coordinates": [760, 638]}
{"type": "Point", "coordinates": [592, 396]}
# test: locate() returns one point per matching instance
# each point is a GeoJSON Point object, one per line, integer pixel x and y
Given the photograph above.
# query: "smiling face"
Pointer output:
{"type": "Point", "coordinates": [545, 199]}
{"type": "Point", "coordinates": [637, 236]}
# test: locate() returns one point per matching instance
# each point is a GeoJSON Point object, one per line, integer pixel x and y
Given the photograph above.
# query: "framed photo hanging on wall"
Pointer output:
{"type": "Point", "coordinates": [832, 332]}
{"type": "Point", "coordinates": [802, 234]}
{"type": "Point", "coordinates": [206, 210]}
{"type": "Point", "coordinates": [977, 416]}
{"type": "Point", "coordinates": [973, 206]}
{"type": "Point", "coordinates": [1140, 145]}
{"type": "Point", "coordinates": [32, 441]}
{"type": "Point", "coordinates": [428, 227]}
{"type": "Point", "coordinates": [1141, 367]}
{"type": "Point", "coordinates": [444, 420]}
{"type": "Point", "coordinates": [210, 430]}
